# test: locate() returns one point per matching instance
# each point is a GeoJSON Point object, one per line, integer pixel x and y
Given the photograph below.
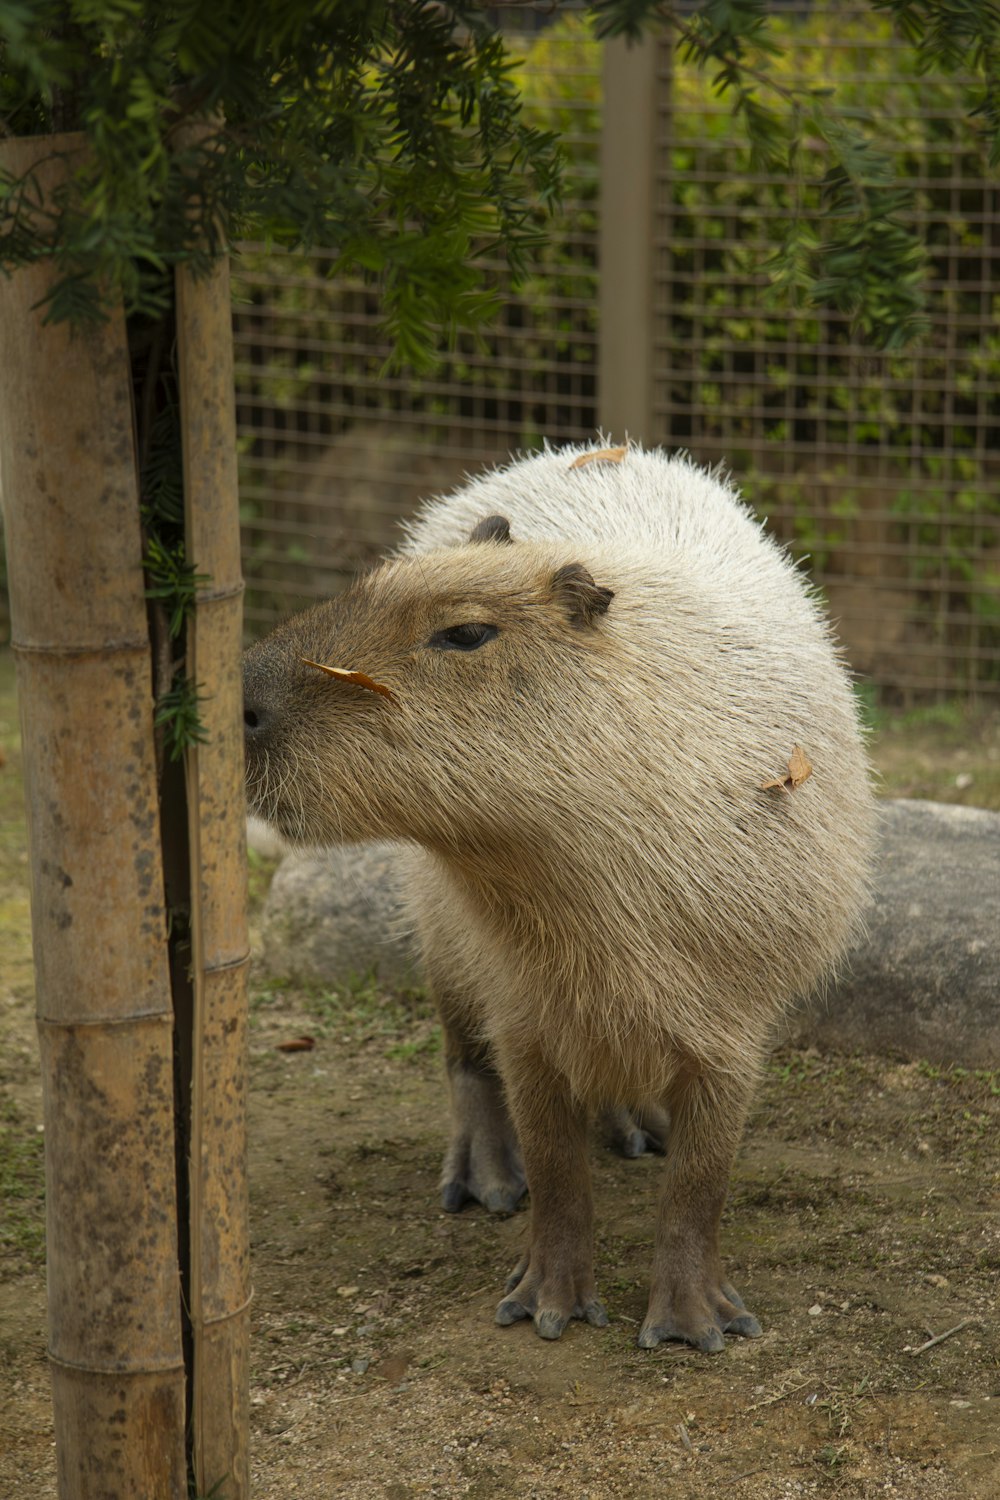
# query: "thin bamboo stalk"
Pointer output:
{"type": "Point", "coordinates": [219, 1278]}
{"type": "Point", "coordinates": [625, 373]}
{"type": "Point", "coordinates": [99, 924]}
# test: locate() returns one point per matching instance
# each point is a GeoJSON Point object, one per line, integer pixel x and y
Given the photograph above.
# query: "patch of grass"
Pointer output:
{"type": "Point", "coordinates": [840, 1405]}
{"type": "Point", "coordinates": [793, 1072]}
{"type": "Point", "coordinates": [972, 1081]}
{"type": "Point", "coordinates": [400, 1022]}
{"type": "Point", "coordinates": [428, 1045]}
{"type": "Point", "coordinates": [946, 752]}
{"type": "Point", "coordinates": [952, 716]}
{"type": "Point", "coordinates": [267, 994]}
{"type": "Point", "coordinates": [359, 1003]}
{"type": "Point", "coordinates": [22, 1190]}
{"type": "Point", "coordinates": [830, 1457]}
{"type": "Point", "coordinates": [260, 869]}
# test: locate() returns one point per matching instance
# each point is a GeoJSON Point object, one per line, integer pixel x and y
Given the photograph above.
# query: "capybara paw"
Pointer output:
{"type": "Point", "coordinates": [549, 1321]}
{"type": "Point", "coordinates": [497, 1198]}
{"type": "Point", "coordinates": [549, 1304]}
{"type": "Point", "coordinates": [697, 1317]}
{"type": "Point", "coordinates": [489, 1173]}
{"type": "Point", "coordinates": [634, 1134]}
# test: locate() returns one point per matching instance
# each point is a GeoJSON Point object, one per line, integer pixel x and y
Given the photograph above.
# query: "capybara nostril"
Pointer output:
{"type": "Point", "coordinates": [254, 719]}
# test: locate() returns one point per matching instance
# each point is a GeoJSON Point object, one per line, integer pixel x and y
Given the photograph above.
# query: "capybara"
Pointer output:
{"type": "Point", "coordinates": [604, 713]}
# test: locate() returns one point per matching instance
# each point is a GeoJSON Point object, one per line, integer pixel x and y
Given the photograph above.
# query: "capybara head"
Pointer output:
{"type": "Point", "coordinates": [476, 651]}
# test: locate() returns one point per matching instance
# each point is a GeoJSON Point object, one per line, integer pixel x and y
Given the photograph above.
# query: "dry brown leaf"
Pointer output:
{"type": "Point", "coordinates": [799, 766]}
{"type": "Point", "coordinates": [360, 678]}
{"type": "Point", "coordinates": [799, 770]}
{"type": "Point", "coordinates": [601, 456]}
{"type": "Point", "coordinates": [298, 1044]}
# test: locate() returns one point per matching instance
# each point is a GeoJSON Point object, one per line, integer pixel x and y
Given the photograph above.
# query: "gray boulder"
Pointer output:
{"type": "Point", "coordinates": [925, 984]}
{"type": "Point", "coordinates": [335, 915]}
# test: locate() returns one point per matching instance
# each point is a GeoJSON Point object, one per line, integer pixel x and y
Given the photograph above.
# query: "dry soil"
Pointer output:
{"type": "Point", "coordinates": [862, 1226]}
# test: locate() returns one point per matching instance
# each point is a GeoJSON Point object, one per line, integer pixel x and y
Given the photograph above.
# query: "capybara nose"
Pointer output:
{"type": "Point", "coordinates": [256, 719]}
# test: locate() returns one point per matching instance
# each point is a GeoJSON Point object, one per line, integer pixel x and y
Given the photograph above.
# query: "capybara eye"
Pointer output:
{"type": "Point", "coordinates": [463, 637]}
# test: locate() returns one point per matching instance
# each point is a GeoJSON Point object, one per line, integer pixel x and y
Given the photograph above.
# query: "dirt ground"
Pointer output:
{"type": "Point", "coordinates": [862, 1224]}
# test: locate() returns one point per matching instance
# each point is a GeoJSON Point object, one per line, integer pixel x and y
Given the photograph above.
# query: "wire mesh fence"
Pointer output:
{"type": "Point", "coordinates": [335, 449]}
{"type": "Point", "coordinates": [881, 470]}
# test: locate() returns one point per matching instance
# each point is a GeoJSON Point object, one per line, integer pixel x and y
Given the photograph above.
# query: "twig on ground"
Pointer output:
{"type": "Point", "coordinates": [939, 1338]}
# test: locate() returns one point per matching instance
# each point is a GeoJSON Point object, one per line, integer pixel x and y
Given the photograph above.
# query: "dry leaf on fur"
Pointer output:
{"type": "Point", "coordinates": [360, 678]}
{"type": "Point", "coordinates": [799, 770]}
{"type": "Point", "coordinates": [601, 456]}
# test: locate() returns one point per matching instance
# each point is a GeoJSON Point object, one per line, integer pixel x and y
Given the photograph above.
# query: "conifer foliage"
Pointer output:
{"type": "Point", "coordinates": [388, 132]}
{"type": "Point", "coordinates": [391, 132]}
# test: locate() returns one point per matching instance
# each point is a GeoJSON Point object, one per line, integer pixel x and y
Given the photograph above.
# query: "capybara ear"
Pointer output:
{"type": "Point", "coordinates": [492, 529]}
{"type": "Point", "coordinates": [582, 598]}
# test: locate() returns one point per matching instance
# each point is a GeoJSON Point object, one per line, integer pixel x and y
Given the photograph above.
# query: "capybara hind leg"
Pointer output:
{"type": "Point", "coordinates": [555, 1279]}
{"type": "Point", "coordinates": [634, 1132]}
{"type": "Point", "coordinates": [690, 1299]}
{"type": "Point", "coordinates": [483, 1160]}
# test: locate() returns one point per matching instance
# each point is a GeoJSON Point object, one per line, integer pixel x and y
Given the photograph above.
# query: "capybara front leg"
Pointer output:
{"type": "Point", "coordinates": [690, 1299]}
{"type": "Point", "coordinates": [483, 1160]}
{"type": "Point", "coordinates": [554, 1281]}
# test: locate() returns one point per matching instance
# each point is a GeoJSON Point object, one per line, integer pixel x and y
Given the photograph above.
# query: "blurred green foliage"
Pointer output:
{"type": "Point", "coordinates": [391, 134]}
{"type": "Point", "coordinates": [408, 145]}
{"type": "Point", "coordinates": [749, 376]}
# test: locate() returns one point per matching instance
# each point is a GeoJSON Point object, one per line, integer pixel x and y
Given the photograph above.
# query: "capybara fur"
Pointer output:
{"type": "Point", "coordinates": [597, 660]}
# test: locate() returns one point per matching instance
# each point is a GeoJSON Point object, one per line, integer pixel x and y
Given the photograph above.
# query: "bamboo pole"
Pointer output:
{"type": "Point", "coordinates": [98, 915]}
{"type": "Point", "coordinates": [627, 236]}
{"type": "Point", "coordinates": [219, 1277]}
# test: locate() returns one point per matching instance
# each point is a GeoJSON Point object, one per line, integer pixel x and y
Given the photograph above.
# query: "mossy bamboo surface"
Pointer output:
{"type": "Point", "coordinates": [99, 923]}
{"type": "Point", "coordinates": [219, 1282]}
